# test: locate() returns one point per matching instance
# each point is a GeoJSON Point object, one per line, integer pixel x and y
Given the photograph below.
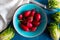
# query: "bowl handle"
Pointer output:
{"type": "Point", "coordinates": [39, 4]}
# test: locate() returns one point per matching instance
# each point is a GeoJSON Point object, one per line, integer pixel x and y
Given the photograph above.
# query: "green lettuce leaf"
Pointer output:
{"type": "Point", "coordinates": [53, 3]}
{"type": "Point", "coordinates": [7, 34]}
{"type": "Point", "coordinates": [56, 17]}
{"type": "Point", "coordinates": [54, 31]}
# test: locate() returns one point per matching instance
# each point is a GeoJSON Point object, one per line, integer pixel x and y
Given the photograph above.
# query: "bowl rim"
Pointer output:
{"type": "Point", "coordinates": [38, 33]}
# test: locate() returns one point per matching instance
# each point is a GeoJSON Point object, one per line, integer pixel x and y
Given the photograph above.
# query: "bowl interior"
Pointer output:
{"type": "Point", "coordinates": [41, 27]}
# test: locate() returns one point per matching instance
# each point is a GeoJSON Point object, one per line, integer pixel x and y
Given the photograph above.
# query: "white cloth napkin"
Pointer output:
{"type": "Point", "coordinates": [7, 9]}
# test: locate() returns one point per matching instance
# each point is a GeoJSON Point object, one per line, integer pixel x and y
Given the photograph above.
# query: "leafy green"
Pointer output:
{"type": "Point", "coordinates": [54, 3]}
{"type": "Point", "coordinates": [54, 31]}
{"type": "Point", "coordinates": [54, 28]}
{"type": "Point", "coordinates": [7, 34]}
{"type": "Point", "coordinates": [56, 17]}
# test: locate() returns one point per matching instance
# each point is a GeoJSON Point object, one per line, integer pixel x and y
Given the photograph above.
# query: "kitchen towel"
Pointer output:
{"type": "Point", "coordinates": [7, 9]}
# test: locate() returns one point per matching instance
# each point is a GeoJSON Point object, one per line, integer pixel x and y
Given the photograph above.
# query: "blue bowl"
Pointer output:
{"type": "Point", "coordinates": [41, 27]}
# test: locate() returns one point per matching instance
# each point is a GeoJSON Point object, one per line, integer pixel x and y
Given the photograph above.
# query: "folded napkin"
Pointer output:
{"type": "Point", "coordinates": [7, 9]}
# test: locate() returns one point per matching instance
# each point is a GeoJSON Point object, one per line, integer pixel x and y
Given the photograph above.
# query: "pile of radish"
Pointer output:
{"type": "Point", "coordinates": [30, 20]}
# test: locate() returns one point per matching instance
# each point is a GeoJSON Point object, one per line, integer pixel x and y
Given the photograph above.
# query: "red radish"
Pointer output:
{"type": "Point", "coordinates": [36, 23]}
{"type": "Point", "coordinates": [29, 25]}
{"type": "Point", "coordinates": [27, 13]}
{"type": "Point", "coordinates": [32, 12]}
{"type": "Point", "coordinates": [25, 28]}
{"type": "Point", "coordinates": [20, 16]}
{"type": "Point", "coordinates": [29, 19]}
{"type": "Point", "coordinates": [33, 29]}
{"type": "Point", "coordinates": [37, 16]}
{"type": "Point", "coordinates": [24, 22]}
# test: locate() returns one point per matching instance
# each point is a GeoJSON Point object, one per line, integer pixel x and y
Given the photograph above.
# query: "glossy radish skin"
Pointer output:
{"type": "Point", "coordinates": [37, 16]}
{"type": "Point", "coordinates": [29, 19]}
{"type": "Point", "coordinates": [29, 25]}
{"type": "Point", "coordinates": [36, 23]}
{"type": "Point", "coordinates": [27, 13]}
{"type": "Point", "coordinates": [32, 12]}
{"type": "Point", "coordinates": [20, 16]}
{"type": "Point", "coordinates": [25, 28]}
{"type": "Point", "coordinates": [33, 29]}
